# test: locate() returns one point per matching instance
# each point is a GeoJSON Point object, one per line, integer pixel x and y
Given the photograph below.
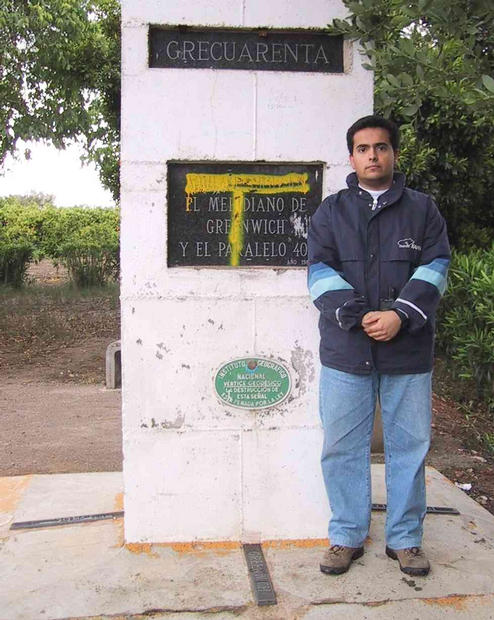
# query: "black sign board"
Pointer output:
{"type": "Point", "coordinates": [263, 50]}
{"type": "Point", "coordinates": [240, 214]}
{"type": "Point", "coordinates": [259, 575]}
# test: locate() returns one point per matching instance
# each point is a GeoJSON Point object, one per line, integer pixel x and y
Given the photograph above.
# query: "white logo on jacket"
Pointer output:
{"type": "Point", "coordinates": [409, 243]}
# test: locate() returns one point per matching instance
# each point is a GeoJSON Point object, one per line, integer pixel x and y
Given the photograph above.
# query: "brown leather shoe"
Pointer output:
{"type": "Point", "coordinates": [337, 559]}
{"type": "Point", "coordinates": [412, 560]}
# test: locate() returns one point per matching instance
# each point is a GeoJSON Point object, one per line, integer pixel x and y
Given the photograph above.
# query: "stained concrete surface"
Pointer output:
{"type": "Point", "coordinates": [86, 571]}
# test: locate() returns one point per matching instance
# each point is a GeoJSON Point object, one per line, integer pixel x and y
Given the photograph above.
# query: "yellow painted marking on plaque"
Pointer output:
{"type": "Point", "coordinates": [239, 185]}
{"type": "Point", "coordinates": [236, 236]}
{"type": "Point", "coordinates": [201, 183]}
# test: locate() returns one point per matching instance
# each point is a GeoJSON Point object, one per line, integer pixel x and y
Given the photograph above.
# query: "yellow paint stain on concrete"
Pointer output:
{"type": "Point", "coordinates": [118, 504]}
{"type": "Point", "coordinates": [119, 524]}
{"type": "Point", "coordinates": [221, 547]}
{"type": "Point", "coordinates": [139, 548]}
{"type": "Point", "coordinates": [456, 602]}
{"type": "Point", "coordinates": [302, 543]}
{"type": "Point", "coordinates": [11, 492]}
{"type": "Point", "coordinates": [239, 185]}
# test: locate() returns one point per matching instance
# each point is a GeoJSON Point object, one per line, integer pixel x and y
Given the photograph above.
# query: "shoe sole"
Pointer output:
{"type": "Point", "coordinates": [414, 572]}
{"type": "Point", "coordinates": [327, 570]}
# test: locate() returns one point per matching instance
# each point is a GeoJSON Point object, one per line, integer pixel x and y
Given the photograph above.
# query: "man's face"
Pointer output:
{"type": "Point", "coordinates": [373, 158]}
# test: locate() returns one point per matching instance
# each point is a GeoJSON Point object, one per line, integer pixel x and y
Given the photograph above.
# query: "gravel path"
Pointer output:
{"type": "Point", "coordinates": [58, 428]}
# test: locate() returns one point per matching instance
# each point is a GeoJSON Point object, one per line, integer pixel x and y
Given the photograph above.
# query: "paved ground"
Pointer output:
{"type": "Point", "coordinates": [86, 570]}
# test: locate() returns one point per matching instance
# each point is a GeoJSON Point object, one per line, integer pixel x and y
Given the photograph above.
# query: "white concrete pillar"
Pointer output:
{"type": "Point", "coordinates": [194, 467]}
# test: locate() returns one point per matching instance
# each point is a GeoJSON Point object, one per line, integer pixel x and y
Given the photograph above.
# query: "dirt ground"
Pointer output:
{"type": "Point", "coordinates": [57, 416]}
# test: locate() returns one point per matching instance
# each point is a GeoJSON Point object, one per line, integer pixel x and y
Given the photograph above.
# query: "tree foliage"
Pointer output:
{"type": "Point", "coordinates": [84, 240]}
{"type": "Point", "coordinates": [60, 77]}
{"type": "Point", "coordinates": [466, 320]}
{"type": "Point", "coordinates": [20, 225]}
{"type": "Point", "coordinates": [434, 63]}
{"type": "Point", "coordinates": [434, 74]}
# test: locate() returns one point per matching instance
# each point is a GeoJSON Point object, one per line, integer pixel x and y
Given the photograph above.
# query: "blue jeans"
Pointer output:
{"type": "Point", "coordinates": [347, 405]}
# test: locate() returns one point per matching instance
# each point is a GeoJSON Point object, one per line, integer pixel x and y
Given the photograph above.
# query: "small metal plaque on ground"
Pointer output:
{"type": "Point", "coordinates": [23, 525]}
{"type": "Point", "coordinates": [259, 575]}
{"type": "Point", "coordinates": [435, 510]}
{"type": "Point", "coordinates": [252, 383]}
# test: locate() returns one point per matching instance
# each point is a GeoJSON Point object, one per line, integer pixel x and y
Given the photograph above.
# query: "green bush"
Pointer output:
{"type": "Point", "coordinates": [433, 64]}
{"type": "Point", "coordinates": [85, 241]}
{"type": "Point", "coordinates": [14, 259]}
{"type": "Point", "coordinates": [20, 231]}
{"type": "Point", "coordinates": [466, 319]}
{"type": "Point", "coordinates": [91, 255]}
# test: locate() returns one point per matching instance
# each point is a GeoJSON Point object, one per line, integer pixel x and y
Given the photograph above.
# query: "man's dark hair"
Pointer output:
{"type": "Point", "coordinates": [371, 122]}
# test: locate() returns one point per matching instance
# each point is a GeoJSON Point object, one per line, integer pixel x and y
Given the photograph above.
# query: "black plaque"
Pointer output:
{"type": "Point", "coordinates": [26, 525]}
{"type": "Point", "coordinates": [242, 214]}
{"type": "Point", "coordinates": [261, 50]}
{"type": "Point", "coordinates": [260, 578]}
{"type": "Point", "coordinates": [435, 510]}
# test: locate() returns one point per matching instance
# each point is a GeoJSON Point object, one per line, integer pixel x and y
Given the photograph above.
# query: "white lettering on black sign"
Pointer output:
{"type": "Point", "coordinates": [265, 50]}
{"type": "Point", "coordinates": [240, 214]}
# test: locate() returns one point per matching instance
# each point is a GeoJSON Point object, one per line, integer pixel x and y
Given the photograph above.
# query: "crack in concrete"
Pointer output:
{"type": "Point", "coordinates": [149, 613]}
{"type": "Point", "coordinates": [451, 599]}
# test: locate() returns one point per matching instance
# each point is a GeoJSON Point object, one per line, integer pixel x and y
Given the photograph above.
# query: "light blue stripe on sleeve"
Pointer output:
{"type": "Point", "coordinates": [323, 278]}
{"type": "Point", "coordinates": [318, 267]}
{"type": "Point", "coordinates": [432, 276]}
{"type": "Point", "coordinates": [331, 283]}
{"type": "Point", "coordinates": [319, 271]}
{"type": "Point", "coordinates": [439, 264]}
{"type": "Point", "coordinates": [322, 274]}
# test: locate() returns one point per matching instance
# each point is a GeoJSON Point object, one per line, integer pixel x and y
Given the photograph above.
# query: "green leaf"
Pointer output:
{"type": "Point", "coordinates": [394, 81]}
{"type": "Point", "coordinates": [406, 79]}
{"type": "Point", "coordinates": [407, 46]}
{"type": "Point", "coordinates": [410, 110]}
{"type": "Point", "coordinates": [488, 83]}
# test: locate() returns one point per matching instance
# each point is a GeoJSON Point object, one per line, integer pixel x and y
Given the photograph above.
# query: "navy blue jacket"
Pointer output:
{"type": "Point", "coordinates": [393, 257]}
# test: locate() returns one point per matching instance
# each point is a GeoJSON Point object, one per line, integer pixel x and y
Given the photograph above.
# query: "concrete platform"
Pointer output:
{"type": "Point", "coordinates": [86, 571]}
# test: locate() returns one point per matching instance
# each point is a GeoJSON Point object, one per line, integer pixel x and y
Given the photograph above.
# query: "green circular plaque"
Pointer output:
{"type": "Point", "coordinates": [252, 383]}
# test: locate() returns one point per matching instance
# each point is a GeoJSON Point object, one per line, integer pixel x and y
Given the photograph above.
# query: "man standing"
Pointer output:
{"type": "Point", "coordinates": [378, 260]}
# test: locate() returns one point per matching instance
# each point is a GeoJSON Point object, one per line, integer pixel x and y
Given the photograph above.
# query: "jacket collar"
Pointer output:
{"type": "Point", "coordinates": [392, 194]}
